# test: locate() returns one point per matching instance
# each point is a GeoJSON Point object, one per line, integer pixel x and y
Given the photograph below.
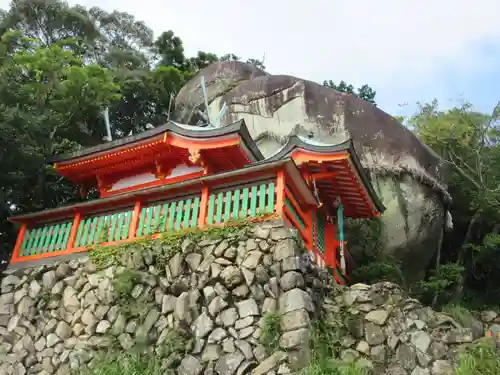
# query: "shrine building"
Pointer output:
{"type": "Point", "coordinates": [175, 177]}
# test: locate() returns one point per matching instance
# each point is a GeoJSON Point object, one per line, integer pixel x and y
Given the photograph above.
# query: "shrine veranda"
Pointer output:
{"type": "Point", "coordinates": [177, 176]}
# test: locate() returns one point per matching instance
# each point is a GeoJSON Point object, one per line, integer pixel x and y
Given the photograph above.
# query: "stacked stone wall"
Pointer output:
{"type": "Point", "coordinates": [233, 301]}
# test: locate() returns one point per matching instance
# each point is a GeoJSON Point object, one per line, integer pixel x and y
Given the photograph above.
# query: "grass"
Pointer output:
{"type": "Point", "coordinates": [462, 315]}
{"type": "Point", "coordinates": [125, 364]}
{"type": "Point", "coordinates": [124, 283]}
{"type": "Point", "coordinates": [271, 331]}
{"type": "Point", "coordinates": [325, 347]}
{"type": "Point", "coordinates": [481, 358]}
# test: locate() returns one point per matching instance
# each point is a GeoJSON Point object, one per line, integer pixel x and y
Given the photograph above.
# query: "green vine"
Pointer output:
{"type": "Point", "coordinates": [167, 244]}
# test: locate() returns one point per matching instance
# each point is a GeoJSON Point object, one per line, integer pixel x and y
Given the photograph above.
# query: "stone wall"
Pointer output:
{"type": "Point", "coordinates": [217, 291]}
{"type": "Point", "coordinates": [203, 303]}
{"type": "Point", "coordinates": [385, 330]}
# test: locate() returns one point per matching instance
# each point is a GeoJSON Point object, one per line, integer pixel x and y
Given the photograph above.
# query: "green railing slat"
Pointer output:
{"type": "Point", "coordinates": [126, 226]}
{"type": "Point", "coordinates": [30, 243]}
{"type": "Point", "coordinates": [26, 240]}
{"type": "Point", "coordinates": [262, 198]}
{"type": "Point", "coordinates": [46, 239]}
{"type": "Point", "coordinates": [253, 202]}
{"type": "Point", "coordinates": [156, 221]}
{"type": "Point", "coordinates": [79, 234]}
{"type": "Point", "coordinates": [53, 240]}
{"type": "Point", "coordinates": [196, 209]}
{"type": "Point", "coordinates": [236, 203]}
{"type": "Point", "coordinates": [244, 203]}
{"type": "Point", "coordinates": [86, 230]}
{"type": "Point", "coordinates": [187, 213]}
{"type": "Point", "coordinates": [178, 219]}
{"type": "Point", "coordinates": [220, 203]}
{"type": "Point", "coordinates": [140, 228]}
{"type": "Point", "coordinates": [227, 207]}
{"type": "Point", "coordinates": [65, 236]}
{"type": "Point", "coordinates": [164, 217]}
{"type": "Point", "coordinates": [270, 197]}
{"type": "Point", "coordinates": [119, 227]}
{"type": "Point", "coordinates": [211, 205]}
{"type": "Point", "coordinates": [171, 215]}
{"type": "Point", "coordinates": [98, 232]}
{"type": "Point", "coordinates": [148, 220]}
{"type": "Point", "coordinates": [93, 230]}
{"type": "Point", "coordinates": [114, 218]}
{"type": "Point", "coordinates": [60, 236]}
{"type": "Point", "coordinates": [38, 237]}
{"type": "Point", "coordinates": [101, 234]}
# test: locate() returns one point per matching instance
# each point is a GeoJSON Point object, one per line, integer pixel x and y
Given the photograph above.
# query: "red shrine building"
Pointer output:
{"type": "Point", "coordinates": [175, 177]}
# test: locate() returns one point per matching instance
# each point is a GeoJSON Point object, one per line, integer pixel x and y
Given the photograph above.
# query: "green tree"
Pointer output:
{"type": "Point", "coordinates": [365, 92]}
{"type": "Point", "coordinates": [468, 141]}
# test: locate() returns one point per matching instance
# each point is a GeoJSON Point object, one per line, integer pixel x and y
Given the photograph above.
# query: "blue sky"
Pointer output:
{"type": "Point", "coordinates": [407, 50]}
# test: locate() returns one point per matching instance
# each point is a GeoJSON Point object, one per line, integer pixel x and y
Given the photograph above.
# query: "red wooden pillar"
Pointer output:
{"type": "Point", "coordinates": [331, 246]}
{"type": "Point", "coordinates": [202, 218]}
{"type": "Point", "coordinates": [16, 254]}
{"type": "Point", "coordinates": [280, 192]}
{"type": "Point", "coordinates": [135, 220]}
{"type": "Point", "coordinates": [74, 231]}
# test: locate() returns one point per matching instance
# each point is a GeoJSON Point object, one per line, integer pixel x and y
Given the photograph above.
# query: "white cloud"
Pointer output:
{"type": "Point", "coordinates": [400, 47]}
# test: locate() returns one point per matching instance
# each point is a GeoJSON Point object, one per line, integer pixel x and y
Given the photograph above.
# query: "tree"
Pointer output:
{"type": "Point", "coordinates": [365, 92]}
{"type": "Point", "coordinates": [468, 141]}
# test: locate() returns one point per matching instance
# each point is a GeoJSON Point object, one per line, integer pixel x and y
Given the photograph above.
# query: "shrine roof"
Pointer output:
{"type": "Point", "coordinates": [321, 151]}
{"type": "Point", "coordinates": [187, 131]}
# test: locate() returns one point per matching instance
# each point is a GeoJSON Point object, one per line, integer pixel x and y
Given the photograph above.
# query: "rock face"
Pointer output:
{"type": "Point", "coordinates": [214, 296]}
{"type": "Point", "coordinates": [407, 175]}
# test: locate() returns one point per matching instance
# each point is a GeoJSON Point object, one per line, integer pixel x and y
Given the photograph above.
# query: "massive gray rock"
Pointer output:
{"type": "Point", "coordinates": [408, 176]}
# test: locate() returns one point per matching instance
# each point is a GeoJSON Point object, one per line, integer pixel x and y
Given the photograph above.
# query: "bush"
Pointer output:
{"type": "Point", "coordinates": [480, 359]}
{"type": "Point", "coordinates": [125, 364]}
{"type": "Point", "coordinates": [461, 314]}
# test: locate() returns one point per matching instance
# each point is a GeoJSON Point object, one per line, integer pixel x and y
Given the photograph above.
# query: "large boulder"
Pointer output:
{"type": "Point", "coordinates": [408, 176]}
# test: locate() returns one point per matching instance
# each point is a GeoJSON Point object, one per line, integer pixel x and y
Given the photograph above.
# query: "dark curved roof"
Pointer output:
{"type": "Point", "coordinates": [238, 127]}
{"type": "Point", "coordinates": [296, 142]}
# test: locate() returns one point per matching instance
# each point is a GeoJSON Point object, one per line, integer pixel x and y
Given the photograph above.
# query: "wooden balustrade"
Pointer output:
{"type": "Point", "coordinates": [152, 213]}
{"type": "Point", "coordinates": [209, 207]}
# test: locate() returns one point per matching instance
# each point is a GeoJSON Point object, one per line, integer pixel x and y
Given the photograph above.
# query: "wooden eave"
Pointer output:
{"type": "Point", "coordinates": [226, 148]}
{"type": "Point", "coordinates": [260, 170]}
{"type": "Point", "coordinates": [338, 172]}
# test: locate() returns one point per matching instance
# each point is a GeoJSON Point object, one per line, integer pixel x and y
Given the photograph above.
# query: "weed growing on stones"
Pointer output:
{"type": "Point", "coordinates": [124, 283]}
{"type": "Point", "coordinates": [461, 314]}
{"type": "Point", "coordinates": [325, 346]}
{"type": "Point", "coordinates": [124, 364]}
{"type": "Point", "coordinates": [271, 331]}
{"type": "Point", "coordinates": [167, 244]}
{"type": "Point", "coordinates": [481, 358]}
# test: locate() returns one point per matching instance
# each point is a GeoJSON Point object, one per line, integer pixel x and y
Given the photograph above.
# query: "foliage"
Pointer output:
{"type": "Point", "coordinates": [124, 283]}
{"type": "Point", "coordinates": [468, 141]}
{"type": "Point", "coordinates": [166, 244]}
{"type": "Point", "coordinates": [364, 92]}
{"type": "Point", "coordinates": [480, 358]}
{"type": "Point", "coordinates": [325, 346]}
{"type": "Point", "coordinates": [439, 285]}
{"type": "Point", "coordinates": [124, 364]}
{"type": "Point", "coordinates": [383, 268]}
{"type": "Point", "coordinates": [271, 331]}
{"type": "Point", "coordinates": [461, 314]}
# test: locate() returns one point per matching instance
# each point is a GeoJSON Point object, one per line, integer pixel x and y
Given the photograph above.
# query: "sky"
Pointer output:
{"type": "Point", "coordinates": [409, 51]}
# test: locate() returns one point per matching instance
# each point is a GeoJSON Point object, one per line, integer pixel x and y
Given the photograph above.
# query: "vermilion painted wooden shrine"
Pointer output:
{"type": "Point", "coordinates": [178, 176]}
